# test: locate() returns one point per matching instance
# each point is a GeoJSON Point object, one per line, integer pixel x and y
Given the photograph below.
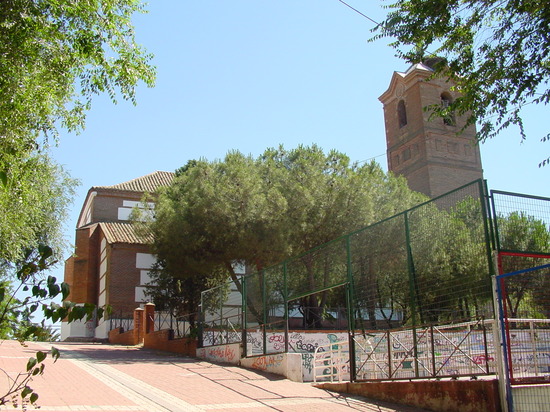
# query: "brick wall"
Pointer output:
{"type": "Point", "coordinates": [123, 277]}
{"type": "Point", "coordinates": [428, 152]}
{"type": "Point", "coordinates": [162, 340]}
{"type": "Point", "coordinates": [81, 272]}
{"type": "Point", "coordinates": [143, 333]}
{"type": "Point", "coordinates": [443, 396]}
{"type": "Point", "coordinates": [118, 337]}
{"type": "Point", "coordinates": [106, 205]}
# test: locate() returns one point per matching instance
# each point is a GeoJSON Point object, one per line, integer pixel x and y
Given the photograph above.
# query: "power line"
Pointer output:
{"type": "Point", "coordinates": [358, 12]}
{"type": "Point", "coordinates": [370, 158]}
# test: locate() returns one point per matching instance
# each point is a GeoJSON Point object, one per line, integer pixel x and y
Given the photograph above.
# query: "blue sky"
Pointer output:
{"type": "Point", "coordinates": [248, 75]}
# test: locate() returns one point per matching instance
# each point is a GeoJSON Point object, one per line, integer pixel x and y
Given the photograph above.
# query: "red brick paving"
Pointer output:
{"type": "Point", "coordinates": [118, 378]}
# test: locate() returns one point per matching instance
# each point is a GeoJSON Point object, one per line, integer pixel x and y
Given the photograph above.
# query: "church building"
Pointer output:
{"type": "Point", "coordinates": [111, 262]}
{"type": "Point", "coordinates": [427, 151]}
{"type": "Point", "coordinates": [111, 259]}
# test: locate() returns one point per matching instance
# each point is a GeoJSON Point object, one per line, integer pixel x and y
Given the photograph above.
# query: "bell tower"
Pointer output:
{"type": "Point", "coordinates": [428, 152]}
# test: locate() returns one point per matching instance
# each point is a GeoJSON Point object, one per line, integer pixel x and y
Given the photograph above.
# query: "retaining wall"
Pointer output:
{"type": "Point", "coordinates": [438, 396]}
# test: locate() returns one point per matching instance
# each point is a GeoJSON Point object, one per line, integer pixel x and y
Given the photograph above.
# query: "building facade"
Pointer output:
{"type": "Point", "coordinates": [111, 261]}
{"type": "Point", "coordinates": [428, 152]}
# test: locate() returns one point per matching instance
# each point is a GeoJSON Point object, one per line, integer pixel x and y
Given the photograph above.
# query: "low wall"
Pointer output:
{"type": "Point", "coordinates": [438, 396]}
{"type": "Point", "coordinates": [285, 364]}
{"type": "Point", "coordinates": [118, 337]}
{"type": "Point", "coordinates": [230, 353]}
{"type": "Point", "coordinates": [162, 340]}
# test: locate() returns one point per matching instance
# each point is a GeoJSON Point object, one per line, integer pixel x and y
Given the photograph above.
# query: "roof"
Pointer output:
{"type": "Point", "coordinates": [413, 73]}
{"type": "Point", "coordinates": [416, 66]}
{"type": "Point", "coordinates": [124, 232]}
{"type": "Point", "coordinates": [148, 183]}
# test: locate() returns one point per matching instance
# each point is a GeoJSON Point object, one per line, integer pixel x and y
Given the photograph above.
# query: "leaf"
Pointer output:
{"type": "Point", "coordinates": [55, 353]}
{"type": "Point", "coordinates": [31, 364]}
{"type": "Point", "coordinates": [40, 356]}
{"type": "Point", "coordinates": [3, 178]}
{"type": "Point", "coordinates": [34, 397]}
{"type": "Point", "coordinates": [65, 290]}
{"type": "Point", "coordinates": [26, 392]}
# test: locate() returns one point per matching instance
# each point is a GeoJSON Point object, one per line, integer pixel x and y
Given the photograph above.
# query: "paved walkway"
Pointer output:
{"type": "Point", "coordinates": [94, 377]}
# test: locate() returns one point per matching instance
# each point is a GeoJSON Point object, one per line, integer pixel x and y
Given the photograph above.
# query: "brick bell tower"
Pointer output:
{"type": "Point", "coordinates": [429, 153]}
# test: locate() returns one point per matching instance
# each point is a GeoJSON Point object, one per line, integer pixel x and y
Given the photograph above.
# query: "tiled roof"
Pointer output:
{"type": "Point", "coordinates": [124, 232]}
{"type": "Point", "coordinates": [148, 183]}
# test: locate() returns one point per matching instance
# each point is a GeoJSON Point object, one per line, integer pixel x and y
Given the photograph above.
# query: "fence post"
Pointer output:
{"type": "Point", "coordinates": [149, 324]}
{"type": "Point", "coordinates": [244, 285]}
{"type": "Point", "coordinates": [285, 287]}
{"type": "Point", "coordinates": [138, 325]}
{"type": "Point", "coordinates": [350, 294]}
{"type": "Point", "coordinates": [413, 290]}
{"type": "Point", "coordinates": [264, 307]}
{"type": "Point", "coordinates": [500, 347]}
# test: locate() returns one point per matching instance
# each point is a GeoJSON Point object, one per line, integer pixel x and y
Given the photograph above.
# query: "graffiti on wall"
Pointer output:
{"type": "Point", "coordinates": [223, 353]}
{"type": "Point", "coordinates": [299, 342]}
{"type": "Point", "coordinates": [268, 363]}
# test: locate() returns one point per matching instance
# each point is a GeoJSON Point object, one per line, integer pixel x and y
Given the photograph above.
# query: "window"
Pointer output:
{"type": "Point", "coordinates": [446, 101]}
{"type": "Point", "coordinates": [401, 113]}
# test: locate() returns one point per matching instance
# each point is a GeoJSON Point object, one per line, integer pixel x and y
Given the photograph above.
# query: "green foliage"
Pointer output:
{"type": "Point", "coordinates": [20, 384]}
{"type": "Point", "coordinates": [495, 53]}
{"type": "Point", "coordinates": [16, 314]}
{"type": "Point", "coordinates": [427, 265]}
{"type": "Point", "coordinates": [34, 202]}
{"type": "Point", "coordinates": [519, 232]}
{"type": "Point", "coordinates": [55, 55]}
{"type": "Point", "coordinates": [260, 211]}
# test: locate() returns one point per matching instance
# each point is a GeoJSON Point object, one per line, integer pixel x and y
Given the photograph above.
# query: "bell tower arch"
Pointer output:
{"type": "Point", "coordinates": [427, 152]}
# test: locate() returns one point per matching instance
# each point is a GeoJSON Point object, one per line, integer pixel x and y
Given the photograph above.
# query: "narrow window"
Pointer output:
{"type": "Point", "coordinates": [401, 113]}
{"type": "Point", "coordinates": [446, 100]}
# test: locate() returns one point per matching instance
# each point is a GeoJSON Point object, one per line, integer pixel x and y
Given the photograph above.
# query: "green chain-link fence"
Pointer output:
{"type": "Point", "coordinates": [391, 282]}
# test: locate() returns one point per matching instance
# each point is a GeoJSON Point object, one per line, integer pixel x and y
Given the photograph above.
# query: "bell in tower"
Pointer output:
{"type": "Point", "coordinates": [428, 152]}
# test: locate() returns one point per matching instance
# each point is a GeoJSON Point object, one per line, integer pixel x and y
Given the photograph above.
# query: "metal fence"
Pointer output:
{"type": "Point", "coordinates": [221, 309]}
{"type": "Point", "coordinates": [413, 291]}
{"type": "Point", "coordinates": [524, 308]}
{"type": "Point", "coordinates": [181, 326]}
{"type": "Point", "coordinates": [119, 322]}
{"type": "Point", "coordinates": [522, 240]}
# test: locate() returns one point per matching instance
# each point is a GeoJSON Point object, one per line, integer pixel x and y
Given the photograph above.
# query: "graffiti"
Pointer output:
{"type": "Point", "coordinates": [267, 362]}
{"type": "Point", "coordinates": [277, 338]}
{"type": "Point", "coordinates": [307, 347]}
{"type": "Point", "coordinates": [482, 359]}
{"type": "Point", "coordinates": [307, 362]}
{"type": "Point", "coordinates": [277, 341]}
{"type": "Point", "coordinates": [211, 338]}
{"type": "Point", "coordinates": [222, 353]}
{"type": "Point", "coordinates": [252, 340]}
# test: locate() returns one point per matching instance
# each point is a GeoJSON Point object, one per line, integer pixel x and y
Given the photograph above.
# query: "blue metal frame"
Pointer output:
{"type": "Point", "coordinates": [507, 366]}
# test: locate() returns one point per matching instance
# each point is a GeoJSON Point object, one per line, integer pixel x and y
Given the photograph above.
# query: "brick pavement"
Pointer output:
{"type": "Point", "coordinates": [95, 377]}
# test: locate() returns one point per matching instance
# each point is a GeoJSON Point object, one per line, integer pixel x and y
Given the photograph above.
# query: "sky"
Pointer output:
{"type": "Point", "coordinates": [247, 75]}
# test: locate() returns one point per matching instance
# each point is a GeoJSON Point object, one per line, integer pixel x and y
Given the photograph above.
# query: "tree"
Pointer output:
{"type": "Point", "coordinates": [495, 53]}
{"type": "Point", "coordinates": [34, 201]}
{"type": "Point", "coordinates": [519, 232]}
{"type": "Point", "coordinates": [261, 211]}
{"type": "Point", "coordinates": [55, 55]}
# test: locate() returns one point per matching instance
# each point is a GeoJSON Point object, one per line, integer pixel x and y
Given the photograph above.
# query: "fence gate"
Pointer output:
{"type": "Point", "coordinates": [524, 306]}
